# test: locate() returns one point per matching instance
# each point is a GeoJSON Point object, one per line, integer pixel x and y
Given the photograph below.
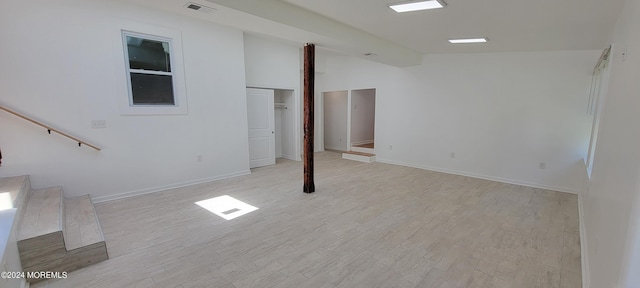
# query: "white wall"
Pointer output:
{"type": "Point", "coordinates": [320, 70]}
{"type": "Point", "coordinates": [612, 237]}
{"type": "Point", "coordinates": [273, 64]}
{"type": "Point", "coordinates": [631, 263]}
{"type": "Point", "coordinates": [502, 114]}
{"type": "Point", "coordinates": [335, 120]}
{"type": "Point", "coordinates": [363, 116]}
{"type": "Point", "coordinates": [9, 255]}
{"type": "Point", "coordinates": [60, 64]}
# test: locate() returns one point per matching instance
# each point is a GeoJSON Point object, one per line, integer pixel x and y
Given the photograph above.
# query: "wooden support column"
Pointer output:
{"type": "Point", "coordinates": [309, 81]}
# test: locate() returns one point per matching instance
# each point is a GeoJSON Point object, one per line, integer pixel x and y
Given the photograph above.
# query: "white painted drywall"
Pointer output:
{"type": "Point", "coordinates": [271, 64]}
{"type": "Point", "coordinates": [318, 114]}
{"type": "Point", "coordinates": [501, 114]}
{"type": "Point", "coordinates": [320, 63]}
{"type": "Point", "coordinates": [335, 120]}
{"type": "Point", "coordinates": [630, 277]}
{"type": "Point", "coordinates": [275, 65]}
{"type": "Point", "coordinates": [9, 255]}
{"type": "Point", "coordinates": [363, 116]}
{"type": "Point", "coordinates": [60, 64]}
{"type": "Point", "coordinates": [612, 237]}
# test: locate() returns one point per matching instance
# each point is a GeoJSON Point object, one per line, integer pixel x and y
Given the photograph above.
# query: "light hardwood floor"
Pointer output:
{"type": "Point", "coordinates": [367, 225]}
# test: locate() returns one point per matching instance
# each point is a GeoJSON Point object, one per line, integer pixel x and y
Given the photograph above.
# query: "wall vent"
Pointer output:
{"type": "Point", "coordinates": [199, 7]}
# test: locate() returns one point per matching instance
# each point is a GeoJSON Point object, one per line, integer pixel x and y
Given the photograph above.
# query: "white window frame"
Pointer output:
{"type": "Point", "coordinates": [126, 34]}
{"type": "Point", "coordinates": [156, 33]}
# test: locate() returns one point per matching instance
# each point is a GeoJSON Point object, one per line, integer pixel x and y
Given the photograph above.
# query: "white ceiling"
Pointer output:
{"type": "Point", "coordinates": [511, 25]}
{"type": "Point", "coordinates": [356, 27]}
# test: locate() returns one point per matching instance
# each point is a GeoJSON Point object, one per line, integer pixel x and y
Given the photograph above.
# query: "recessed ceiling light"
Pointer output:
{"type": "Point", "coordinates": [468, 40]}
{"type": "Point", "coordinates": [416, 6]}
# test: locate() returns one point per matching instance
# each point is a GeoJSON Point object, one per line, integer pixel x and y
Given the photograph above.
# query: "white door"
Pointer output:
{"type": "Point", "coordinates": [262, 138]}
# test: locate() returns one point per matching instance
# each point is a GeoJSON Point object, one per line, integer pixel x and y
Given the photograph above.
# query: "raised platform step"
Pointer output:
{"type": "Point", "coordinates": [58, 234]}
{"type": "Point", "coordinates": [359, 156]}
{"type": "Point", "coordinates": [362, 150]}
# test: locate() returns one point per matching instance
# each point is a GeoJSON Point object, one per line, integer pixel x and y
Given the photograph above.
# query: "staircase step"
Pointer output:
{"type": "Point", "coordinates": [40, 238]}
{"type": "Point", "coordinates": [58, 234]}
{"type": "Point", "coordinates": [82, 225]}
{"type": "Point", "coordinates": [83, 235]}
{"type": "Point", "coordinates": [359, 156]}
{"type": "Point", "coordinates": [44, 213]}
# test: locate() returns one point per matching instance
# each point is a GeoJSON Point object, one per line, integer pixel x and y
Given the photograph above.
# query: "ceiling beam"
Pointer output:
{"type": "Point", "coordinates": [334, 35]}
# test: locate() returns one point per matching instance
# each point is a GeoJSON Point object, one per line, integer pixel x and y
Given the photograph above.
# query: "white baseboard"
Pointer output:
{"type": "Point", "coordinates": [584, 252]}
{"type": "Point", "coordinates": [289, 157]}
{"type": "Point", "coordinates": [166, 187]}
{"type": "Point", "coordinates": [480, 176]}
{"type": "Point", "coordinates": [333, 148]}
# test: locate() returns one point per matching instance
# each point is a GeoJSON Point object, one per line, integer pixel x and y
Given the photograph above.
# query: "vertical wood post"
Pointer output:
{"type": "Point", "coordinates": [309, 81]}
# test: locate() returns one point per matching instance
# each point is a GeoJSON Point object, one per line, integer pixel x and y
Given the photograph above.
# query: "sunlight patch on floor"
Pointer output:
{"type": "Point", "coordinates": [226, 206]}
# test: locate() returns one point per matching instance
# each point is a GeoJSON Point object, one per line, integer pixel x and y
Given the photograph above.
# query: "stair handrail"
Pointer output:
{"type": "Point", "coordinates": [49, 128]}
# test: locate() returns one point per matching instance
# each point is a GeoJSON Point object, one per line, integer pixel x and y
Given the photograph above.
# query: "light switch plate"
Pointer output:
{"type": "Point", "coordinates": [99, 124]}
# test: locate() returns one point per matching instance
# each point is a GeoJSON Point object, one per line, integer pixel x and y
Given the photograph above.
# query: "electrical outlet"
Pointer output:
{"type": "Point", "coordinates": [98, 124]}
{"type": "Point", "coordinates": [390, 147]}
{"type": "Point", "coordinates": [199, 158]}
{"type": "Point", "coordinates": [452, 155]}
{"type": "Point", "coordinates": [542, 165]}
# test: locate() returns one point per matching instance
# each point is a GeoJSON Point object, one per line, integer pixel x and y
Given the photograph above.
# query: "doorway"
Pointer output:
{"type": "Point", "coordinates": [271, 123]}
{"type": "Point", "coordinates": [363, 118]}
{"type": "Point", "coordinates": [284, 124]}
{"type": "Point", "coordinates": [349, 120]}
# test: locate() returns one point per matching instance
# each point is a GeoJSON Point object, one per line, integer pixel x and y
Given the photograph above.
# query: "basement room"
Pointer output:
{"type": "Point", "coordinates": [298, 143]}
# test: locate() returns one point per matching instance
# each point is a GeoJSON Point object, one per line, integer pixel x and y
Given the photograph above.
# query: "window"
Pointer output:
{"type": "Point", "coordinates": [152, 81]}
{"type": "Point", "coordinates": [148, 63]}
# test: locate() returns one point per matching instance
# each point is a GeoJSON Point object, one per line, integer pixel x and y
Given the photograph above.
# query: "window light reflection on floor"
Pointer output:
{"type": "Point", "coordinates": [226, 206]}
